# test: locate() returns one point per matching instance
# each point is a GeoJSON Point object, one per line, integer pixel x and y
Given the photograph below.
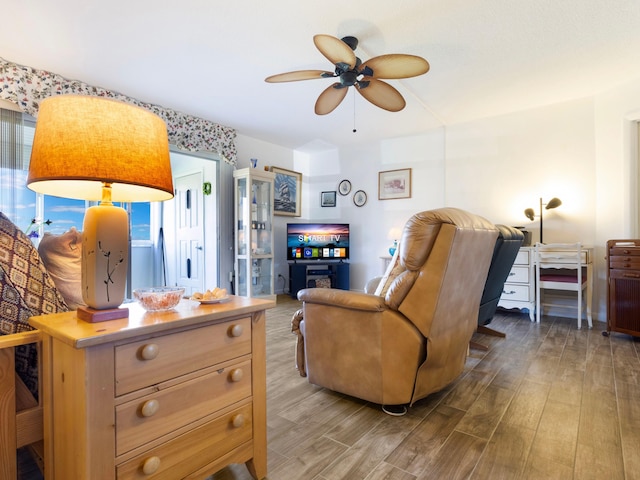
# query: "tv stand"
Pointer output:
{"type": "Point", "coordinates": [305, 275]}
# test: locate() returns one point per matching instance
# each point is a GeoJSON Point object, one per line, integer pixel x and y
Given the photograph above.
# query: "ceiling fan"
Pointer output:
{"type": "Point", "coordinates": [350, 71]}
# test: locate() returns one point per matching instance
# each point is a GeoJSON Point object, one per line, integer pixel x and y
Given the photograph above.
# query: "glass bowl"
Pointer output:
{"type": "Point", "coordinates": [158, 299]}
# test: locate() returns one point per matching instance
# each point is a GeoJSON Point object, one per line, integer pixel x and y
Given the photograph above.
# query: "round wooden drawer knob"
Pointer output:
{"type": "Point", "coordinates": [236, 331]}
{"type": "Point", "coordinates": [236, 374]}
{"type": "Point", "coordinates": [149, 351]}
{"type": "Point", "coordinates": [151, 465]}
{"type": "Point", "coordinates": [150, 408]}
{"type": "Point", "coordinates": [238, 420]}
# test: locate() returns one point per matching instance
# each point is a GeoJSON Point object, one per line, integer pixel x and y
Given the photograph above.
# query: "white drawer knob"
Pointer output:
{"type": "Point", "coordinates": [151, 465]}
{"type": "Point", "coordinates": [149, 408]}
{"type": "Point", "coordinates": [238, 420]}
{"type": "Point", "coordinates": [149, 351]}
{"type": "Point", "coordinates": [236, 330]}
{"type": "Point", "coordinates": [236, 374]}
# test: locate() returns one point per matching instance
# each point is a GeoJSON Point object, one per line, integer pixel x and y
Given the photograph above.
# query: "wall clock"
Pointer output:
{"type": "Point", "coordinates": [360, 198]}
{"type": "Point", "coordinates": [345, 187]}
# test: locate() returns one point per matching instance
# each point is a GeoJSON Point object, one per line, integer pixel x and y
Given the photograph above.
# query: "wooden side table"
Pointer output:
{"type": "Point", "coordinates": [168, 394]}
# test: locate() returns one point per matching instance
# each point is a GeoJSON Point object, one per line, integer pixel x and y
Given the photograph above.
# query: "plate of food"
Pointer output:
{"type": "Point", "coordinates": [217, 295]}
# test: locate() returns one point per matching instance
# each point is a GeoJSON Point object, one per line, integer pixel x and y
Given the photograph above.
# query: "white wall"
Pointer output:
{"type": "Point", "coordinates": [583, 151]}
{"type": "Point", "coordinates": [499, 166]}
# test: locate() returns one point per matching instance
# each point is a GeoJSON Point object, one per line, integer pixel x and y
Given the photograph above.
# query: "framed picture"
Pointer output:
{"type": "Point", "coordinates": [328, 199]}
{"type": "Point", "coordinates": [359, 198]}
{"type": "Point", "coordinates": [394, 184]}
{"type": "Point", "coordinates": [345, 187]}
{"type": "Point", "coordinates": [287, 192]}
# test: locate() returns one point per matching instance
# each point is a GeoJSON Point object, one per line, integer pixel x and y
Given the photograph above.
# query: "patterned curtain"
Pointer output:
{"type": "Point", "coordinates": [26, 87]}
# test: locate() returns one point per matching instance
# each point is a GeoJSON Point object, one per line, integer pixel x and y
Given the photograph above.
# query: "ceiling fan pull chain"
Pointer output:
{"type": "Point", "coordinates": [354, 111]}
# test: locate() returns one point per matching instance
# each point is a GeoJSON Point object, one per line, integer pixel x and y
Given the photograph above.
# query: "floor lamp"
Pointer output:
{"type": "Point", "coordinates": [97, 149]}
{"type": "Point", "coordinates": [553, 203]}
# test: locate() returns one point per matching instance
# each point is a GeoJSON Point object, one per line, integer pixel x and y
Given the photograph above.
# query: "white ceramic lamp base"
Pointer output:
{"type": "Point", "coordinates": [105, 257]}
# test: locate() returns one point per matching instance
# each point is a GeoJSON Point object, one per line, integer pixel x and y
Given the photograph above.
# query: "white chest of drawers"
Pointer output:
{"type": "Point", "coordinates": [519, 289]}
{"type": "Point", "coordinates": [177, 394]}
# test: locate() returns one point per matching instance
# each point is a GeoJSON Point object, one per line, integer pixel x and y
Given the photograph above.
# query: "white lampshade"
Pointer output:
{"type": "Point", "coordinates": [93, 148]}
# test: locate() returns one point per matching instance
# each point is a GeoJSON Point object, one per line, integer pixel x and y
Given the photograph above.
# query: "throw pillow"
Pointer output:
{"type": "Point", "coordinates": [26, 289]}
{"type": "Point", "coordinates": [62, 255]}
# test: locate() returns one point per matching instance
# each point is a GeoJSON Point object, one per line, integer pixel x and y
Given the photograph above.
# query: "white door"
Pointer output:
{"type": "Point", "coordinates": [190, 232]}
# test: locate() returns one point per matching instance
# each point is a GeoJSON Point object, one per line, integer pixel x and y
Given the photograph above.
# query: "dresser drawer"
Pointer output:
{"type": "Point", "coordinates": [514, 292]}
{"type": "Point", "coordinates": [152, 416]}
{"type": "Point", "coordinates": [522, 258]}
{"type": "Point", "coordinates": [193, 450]}
{"type": "Point", "coordinates": [154, 360]}
{"type": "Point", "coordinates": [624, 262]}
{"type": "Point", "coordinates": [620, 274]}
{"type": "Point", "coordinates": [624, 251]}
{"type": "Point", "coordinates": [562, 257]}
{"type": "Point", "coordinates": [518, 275]}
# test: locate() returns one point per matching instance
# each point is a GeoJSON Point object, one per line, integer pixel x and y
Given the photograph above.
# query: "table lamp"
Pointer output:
{"type": "Point", "coordinates": [97, 149]}
{"type": "Point", "coordinates": [530, 214]}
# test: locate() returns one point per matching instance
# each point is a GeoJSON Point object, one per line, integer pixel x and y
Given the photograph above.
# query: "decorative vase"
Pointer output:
{"type": "Point", "coordinates": [392, 248]}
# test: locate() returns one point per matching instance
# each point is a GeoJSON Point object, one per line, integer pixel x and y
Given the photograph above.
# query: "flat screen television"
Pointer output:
{"type": "Point", "coordinates": [317, 241]}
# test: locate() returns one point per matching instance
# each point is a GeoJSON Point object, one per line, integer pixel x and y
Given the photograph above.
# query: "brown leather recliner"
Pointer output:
{"type": "Point", "coordinates": [409, 339]}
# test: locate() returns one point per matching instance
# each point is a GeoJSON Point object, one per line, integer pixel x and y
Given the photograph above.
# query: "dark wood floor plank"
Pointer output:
{"type": "Point", "coordinates": [629, 408]}
{"type": "Point", "coordinates": [467, 389]}
{"type": "Point", "coordinates": [309, 461]}
{"type": "Point", "coordinates": [527, 405]}
{"type": "Point", "coordinates": [384, 471]}
{"type": "Point", "coordinates": [456, 466]}
{"type": "Point", "coordinates": [557, 435]}
{"type": "Point", "coordinates": [359, 460]}
{"type": "Point", "coordinates": [423, 443]}
{"type": "Point", "coordinates": [483, 416]}
{"type": "Point", "coordinates": [505, 455]}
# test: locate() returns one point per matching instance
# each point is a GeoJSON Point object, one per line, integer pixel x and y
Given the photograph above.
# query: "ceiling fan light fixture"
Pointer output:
{"type": "Point", "coordinates": [555, 202]}
{"type": "Point", "coordinates": [351, 41]}
{"type": "Point", "coordinates": [366, 77]}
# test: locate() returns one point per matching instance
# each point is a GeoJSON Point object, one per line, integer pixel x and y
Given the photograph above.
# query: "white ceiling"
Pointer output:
{"type": "Point", "coordinates": [209, 58]}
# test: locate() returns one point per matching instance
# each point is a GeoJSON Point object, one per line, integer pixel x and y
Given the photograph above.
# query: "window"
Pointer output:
{"type": "Point", "coordinates": [140, 215]}
{"type": "Point", "coordinates": [37, 213]}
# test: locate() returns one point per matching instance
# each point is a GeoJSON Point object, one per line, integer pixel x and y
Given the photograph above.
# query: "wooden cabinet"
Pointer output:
{"type": "Point", "coordinates": [623, 280]}
{"type": "Point", "coordinates": [166, 395]}
{"type": "Point", "coordinates": [519, 288]}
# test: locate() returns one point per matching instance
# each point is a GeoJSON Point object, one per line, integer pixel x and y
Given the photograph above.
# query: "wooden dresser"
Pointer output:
{"type": "Point", "coordinates": [623, 280]}
{"type": "Point", "coordinates": [168, 395]}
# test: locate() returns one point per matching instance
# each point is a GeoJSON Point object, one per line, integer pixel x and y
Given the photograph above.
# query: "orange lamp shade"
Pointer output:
{"type": "Point", "coordinates": [82, 142]}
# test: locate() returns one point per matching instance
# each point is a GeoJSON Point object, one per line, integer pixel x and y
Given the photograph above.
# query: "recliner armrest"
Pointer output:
{"type": "Point", "coordinates": [343, 298]}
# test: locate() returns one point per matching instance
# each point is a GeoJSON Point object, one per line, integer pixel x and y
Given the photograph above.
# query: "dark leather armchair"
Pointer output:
{"type": "Point", "coordinates": [504, 254]}
{"type": "Point", "coordinates": [410, 338]}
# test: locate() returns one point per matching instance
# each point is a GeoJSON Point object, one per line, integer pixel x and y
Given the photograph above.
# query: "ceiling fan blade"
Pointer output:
{"type": "Point", "coordinates": [382, 95]}
{"type": "Point", "coordinates": [330, 99]}
{"type": "Point", "coordinates": [335, 50]}
{"type": "Point", "coordinates": [298, 75]}
{"type": "Point", "coordinates": [395, 65]}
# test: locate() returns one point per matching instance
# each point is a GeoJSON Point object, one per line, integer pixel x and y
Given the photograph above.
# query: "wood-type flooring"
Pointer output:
{"type": "Point", "coordinates": [546, 402]}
